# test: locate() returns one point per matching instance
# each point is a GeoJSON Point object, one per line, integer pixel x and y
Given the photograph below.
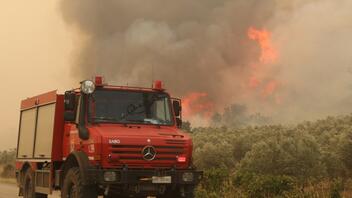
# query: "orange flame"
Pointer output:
{"type": "Point", "coordinates": [263, 37]}
{"type": "Point", "coordinates": [270, 88]}
{"type": "Point", "coordinates": [260, 78]}
{"type": "Point", "coordinates": [254, 82]}
{"type": "Point", "coordinates": [197, 103]}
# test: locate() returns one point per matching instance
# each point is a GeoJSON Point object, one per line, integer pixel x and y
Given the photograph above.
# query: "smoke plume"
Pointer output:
{"type": "Point", "coordinates": [214, 49]}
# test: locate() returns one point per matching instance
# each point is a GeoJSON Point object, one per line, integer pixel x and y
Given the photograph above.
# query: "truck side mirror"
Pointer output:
{"type": "Point", "coordinates": [70, 106]}
{"type": "Point", "coordinates": [176, 104]}
{"type": "Point", "coordinates": [177, 107]}
{"type": "Point", "coordinates": [83, 132]}
{"type": "Point", "coordinates": [69, 116]}
{"type": "Point", "coordinates": [70, 101]}
{"type": "Point", "coordinates": [179, 122]}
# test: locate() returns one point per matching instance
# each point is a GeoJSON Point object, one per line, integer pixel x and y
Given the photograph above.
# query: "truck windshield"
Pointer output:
{"type": "Point", "coordinates": [130, 107]}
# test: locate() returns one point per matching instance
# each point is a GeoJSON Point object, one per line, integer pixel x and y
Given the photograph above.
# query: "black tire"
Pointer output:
{"type": "Point", "coordinates": [29, 186]}
{"type": "Point", "coordinates": [73, 186]}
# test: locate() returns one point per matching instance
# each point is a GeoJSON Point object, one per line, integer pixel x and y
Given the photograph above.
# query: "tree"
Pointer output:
{"type": "Point", "coordinates": [298, 156]}
{"type": "Point", "coordinates": [235, 115]}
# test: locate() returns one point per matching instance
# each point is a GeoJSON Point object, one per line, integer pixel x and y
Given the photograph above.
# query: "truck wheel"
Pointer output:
{"type": "Point", "coordinates": [29, 186]}
{"type": "Point", "coordinates": [73, 186]}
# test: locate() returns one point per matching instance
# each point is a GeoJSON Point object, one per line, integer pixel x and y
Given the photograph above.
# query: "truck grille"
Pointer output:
{"type": "Point", "coordinates": [164, 154]}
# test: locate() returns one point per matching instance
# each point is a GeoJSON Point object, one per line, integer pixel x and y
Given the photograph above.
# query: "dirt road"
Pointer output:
{"type": "Point", "coordinates": [8, 191]}
{"type": "Point", "coordinates": [11, 191]}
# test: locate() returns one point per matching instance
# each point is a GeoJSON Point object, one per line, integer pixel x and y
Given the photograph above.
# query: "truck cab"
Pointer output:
{"type": "Point", "coordinates": [99, 139]}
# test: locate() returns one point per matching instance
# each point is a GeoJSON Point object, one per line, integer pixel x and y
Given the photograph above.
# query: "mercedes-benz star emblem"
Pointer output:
{"type": "Point", "coordinates": [149, 153]}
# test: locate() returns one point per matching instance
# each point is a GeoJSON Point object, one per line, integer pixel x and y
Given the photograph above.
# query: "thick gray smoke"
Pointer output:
{"type": "Point", "coordinates": [202, 46]}
{"type": "Point", "coordinates": [188, 44]}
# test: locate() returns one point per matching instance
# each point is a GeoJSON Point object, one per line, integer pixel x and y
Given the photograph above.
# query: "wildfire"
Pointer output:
{"type": "Point", "coordinates": [254, 82]}
{"type": "Point", "coordinates": [263, 37]}
{"type": "Point", "coordinates": [261, 78]}
{"type": "Point", "coordinates": [260, 82]}
{"type": "Point", "coordinates": [197, 103]}
{"type": "Point", "coordinates": [270, 88]}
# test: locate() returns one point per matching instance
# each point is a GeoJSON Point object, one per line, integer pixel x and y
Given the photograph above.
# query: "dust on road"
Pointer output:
{"type": "Point", "coordinates": [11, 191]}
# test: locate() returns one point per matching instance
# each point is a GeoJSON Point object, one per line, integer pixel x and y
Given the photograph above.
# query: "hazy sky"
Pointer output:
{"type": "Point", "coordinates": [43, 43]}
{"type": "Point", "coordinates": [35, 49]}
{"type": "Point", "coordinates": [202, 47]}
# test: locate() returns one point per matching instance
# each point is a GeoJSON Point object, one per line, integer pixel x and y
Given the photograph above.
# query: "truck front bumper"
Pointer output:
{"type": "Point", "coordinates": [165, 177]}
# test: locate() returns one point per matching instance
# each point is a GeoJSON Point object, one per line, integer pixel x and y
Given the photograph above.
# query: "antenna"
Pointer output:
{"type": "Point", "coordinates": [152, 74]}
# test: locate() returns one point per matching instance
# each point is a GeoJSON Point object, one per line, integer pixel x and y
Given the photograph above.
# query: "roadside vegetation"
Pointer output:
{"type": "Point", "coordinates": [310, 159]}
{"type": "Point", "coordinates": [7, 163]}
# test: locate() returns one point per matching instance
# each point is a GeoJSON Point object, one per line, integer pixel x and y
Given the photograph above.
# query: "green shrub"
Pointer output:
{"type": "Point", "coordinates": [7, 157]}
{"type": "Point", "coordinates": [336, 187]}
{"type": "Point", "coordinates": [8, 171]}
{"type": "Point", "coordinates": [214, 156]}
{"type": "Point", "coordinates": [312, 154]}
{"type": "Point", "coordinates": [257, 186]}
{"type": "Point", "coordinates": [214, 179]}
{"type": "Point", "coordinates": [296, 156]}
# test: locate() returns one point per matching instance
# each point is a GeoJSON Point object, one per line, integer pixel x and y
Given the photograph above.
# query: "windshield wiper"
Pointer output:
{"type": "Point", "coordinates": [134, 120]}
{"type": "Point", "coordinates": [106, 119]}
{"type": "Point", "coordinates": [116, 120]}
{"type": "Point", "coordinates": [144, 121]}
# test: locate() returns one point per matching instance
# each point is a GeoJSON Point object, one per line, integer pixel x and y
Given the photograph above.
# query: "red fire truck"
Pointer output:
{"type": "Point", "coordinates": [104, 140]}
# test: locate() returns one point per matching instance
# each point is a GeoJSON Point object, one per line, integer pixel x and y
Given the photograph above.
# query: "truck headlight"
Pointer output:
{"type": "Point", "coordinates": [187, 177]}
{"type": "Point", "coordinates": [87, 87]}
{"type": "Point", "coordinates": [110, 176]}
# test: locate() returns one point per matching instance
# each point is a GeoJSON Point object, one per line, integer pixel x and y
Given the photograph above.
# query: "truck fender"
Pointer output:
{"type": "Point", "coordinates": [75, 159]}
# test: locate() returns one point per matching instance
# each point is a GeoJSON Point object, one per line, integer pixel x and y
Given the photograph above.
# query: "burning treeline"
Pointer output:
{"type": "Point", "coordinates": [289, 60]}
